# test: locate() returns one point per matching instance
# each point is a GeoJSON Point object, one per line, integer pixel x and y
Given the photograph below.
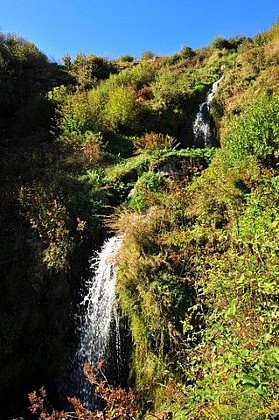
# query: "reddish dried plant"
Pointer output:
{"type": "Point", "coordinates": [119, 403]}
{"type": "Point", "coordinates": [41, 407]}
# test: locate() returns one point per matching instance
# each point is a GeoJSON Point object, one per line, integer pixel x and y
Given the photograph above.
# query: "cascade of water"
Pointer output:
{"type": "Point", "coordinates": [100, 311]}
{"type": "Point", "coordinates": [202, 124]}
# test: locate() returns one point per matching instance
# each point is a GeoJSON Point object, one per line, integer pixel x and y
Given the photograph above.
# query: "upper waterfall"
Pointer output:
{"type": "Point", "coordinates": [202, 125]}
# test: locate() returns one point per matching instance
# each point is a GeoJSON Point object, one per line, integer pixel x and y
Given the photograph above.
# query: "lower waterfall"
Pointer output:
{"type": "Point", "coordinates": [100, 326]}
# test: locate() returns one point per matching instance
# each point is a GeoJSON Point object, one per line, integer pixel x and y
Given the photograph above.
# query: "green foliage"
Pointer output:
{"type": "Point", "coordinates": [49, 217]}
{"type": "Point", "coordinates": [121, 108]}
{"type": "Point", "coordinates": [164, 88]}
{"type": "Point", "coordinates": [127, 58]}
{"type": "Point", "coordinates": [198, 277]}
{"type": "Point", "coordinates": [112, 106]}
{"type": "Point", "coordinates": [58, 94]}
{"type": "Point", "coordinates": [220, 43]}
{"type": "Point", "coordinates": [169, 89]}
{"type": "Point", "coordinates": [255, 132]}
{"type": "Point", "coordinates": [75, 114]}
{"type": "Point", "coordinates": [138, 76]}
{"type": "Point", "coordinates": [94, 177]}
{"type": "Point", "coordinates": [87, 70]}
{"type": "Point", "coordinates": [174, 58]}
{"type": "Point", "coordinates": [24, 73]}
{"type": "Point", "coordinates": [146, 192]}
{"type": "Point", "coordinates": [128, 167]}
{"type": "Point", "coordinates": [251, 71]}
{"type": "Point", "coordinates": [187, 52]}
{"type": "Point", "coordinates": [147, 55]}
{"type": "Point", "coordinates": [215, 242]}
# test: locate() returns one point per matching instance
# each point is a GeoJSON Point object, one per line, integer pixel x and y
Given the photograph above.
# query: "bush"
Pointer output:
{"type": "Point", "coordinates": [83, 149]}
{"type": "Point", "coordinates": [111, 106]}
{"type": "Point", "coordinates": [121, 108]}
{"type": "Point", "coordinates": [127, 58]}
{"type": "Point", "coordinates": [88, 69]}
{"type": "Point", "coordinates": [147, 55]}
{"type": "Point", "coordinates": [219, 43]}
{"type": "Point", "coordinates": [152, 141]}
{"type": "Point", "coordinates": [187, 52]}
{"type": "Point", "coordinates": [139, 76]}
{"type": "Point", "coordinates": [169, 89]}
{"type": "Point", "coordinates": [174, 58]}
{"type": "Point", "coordinates": [25, 73]}
{"type": "Point", "coordinates": [49, 217]}
{"type": "Point", "coordinates": [255, 132]}
{"type": "Point", "coordinates": [75, 114]}
{"type": "Point", "coordinates": [146, 192]}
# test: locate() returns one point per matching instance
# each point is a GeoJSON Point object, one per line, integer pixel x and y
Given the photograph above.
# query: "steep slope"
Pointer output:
{"type": "Point", "coordinates": [199, 269]}
{"type": "Point", "coordinates": [198, 272]}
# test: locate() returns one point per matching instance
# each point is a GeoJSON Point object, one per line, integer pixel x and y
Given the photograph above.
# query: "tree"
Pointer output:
{"type": "Point", "coordinates": [88, 69]}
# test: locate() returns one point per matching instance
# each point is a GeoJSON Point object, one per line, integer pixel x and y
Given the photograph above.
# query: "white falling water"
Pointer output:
{"type": "Point", "coordinates": [201, 128]}
{"type": "Point", "coordinates": [99, 303]}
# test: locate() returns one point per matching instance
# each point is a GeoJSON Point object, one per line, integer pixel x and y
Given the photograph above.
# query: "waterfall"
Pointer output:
{"type": "Point", "coordinates": [203, 136]}
{"type": "Point", "coordinates": [100, 322]}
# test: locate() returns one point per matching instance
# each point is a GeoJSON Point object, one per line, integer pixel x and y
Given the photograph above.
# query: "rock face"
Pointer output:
{"type": "Point", "coordinates": [179, 166]}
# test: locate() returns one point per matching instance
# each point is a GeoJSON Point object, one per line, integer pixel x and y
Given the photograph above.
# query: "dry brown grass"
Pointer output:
{"type": "Point", "coordinates": [272, 49]}
{"type": "Point", "coordinates": [152, 141]}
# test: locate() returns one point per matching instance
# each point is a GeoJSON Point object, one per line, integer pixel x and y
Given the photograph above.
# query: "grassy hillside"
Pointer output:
{"type": "Point", "coordinates": [198, 270]}
{"type": "Point", "coordinates": [198, 273]}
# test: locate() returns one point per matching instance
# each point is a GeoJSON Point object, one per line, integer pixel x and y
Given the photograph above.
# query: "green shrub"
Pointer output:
{"type": "Point", "coordinates": [147, 55]}
{"type": "Point", "coordinates": [187, 52]}
{"type": "Point", "coordinates": [75, 114]}
{"type": "Point", "coordinates": [146, 191]}
{"type": "Point", "coordinates": [97, 99]}
{"type": "Point", "coordinates": [25, 73]}
{"type": "Point", "coordinates": [121, 108]}
{"type": "Point", "coordinates": [255, 132]}
{"type": "Point", "coordinates": [220, 43]}
{"type": "Point", "coordinates": [111, 106]}
{"type": "Point", "coordinates": [174, 58]}
{"type": "Point", "coordinates": [80, 112]}
{"type": "Point", "coordinates": [49, 217]}
{"type": "Point", "coordinates": [59, 94]}
{"type": "Point", "coordinates": [150, 180]}
{"type": "Point", "coordinates": [88, 69]}
{"type": "Point", "coordinates": [127, 58]}
{"type": "Point", "coordinates": [139, 76]}
{"type": "Point", "coordinates": [169, 89]}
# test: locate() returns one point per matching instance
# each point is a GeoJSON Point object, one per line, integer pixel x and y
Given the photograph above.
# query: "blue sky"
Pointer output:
{"type": "Point", "coordinates": [115, 27]}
